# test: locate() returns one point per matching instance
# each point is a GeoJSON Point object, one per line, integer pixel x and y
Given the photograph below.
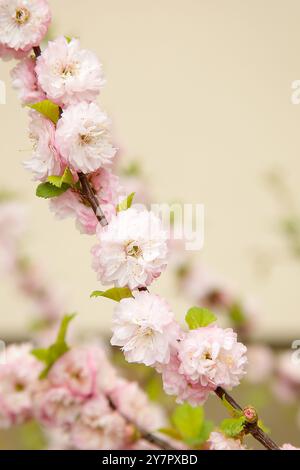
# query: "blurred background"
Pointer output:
{"type": "Point", "coordinates": [199, 92]}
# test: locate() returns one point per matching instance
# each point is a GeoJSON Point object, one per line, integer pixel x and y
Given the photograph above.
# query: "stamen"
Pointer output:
{"type": "Point", "coordinates": [22, 15]}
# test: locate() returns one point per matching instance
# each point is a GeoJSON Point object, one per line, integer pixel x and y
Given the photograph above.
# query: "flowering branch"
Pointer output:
{"type": "Point", "coordinates": [251, 428]}
{"type": "Point", "coordinates": [72, 137]}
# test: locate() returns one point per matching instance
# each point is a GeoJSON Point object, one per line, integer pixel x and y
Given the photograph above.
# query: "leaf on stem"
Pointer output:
{"type": "Point", "coordinates": [189, 425]}
{"type": "Point", "coordinates": [126, 203]}
{"type": "Point", "coordinates": [232, 427]}
{"type": "Point", "coordinates": [198, 317]}
{"type": "Point", "coordinates": [66, 178]}
{"type": "Point", "coordinates": [48, 190]}
{"type": "Point", "coordinates": [116, 294]}
{"type": "Point", "coordinates": [50, 355]}
{"type": "Point", "coordinates": [48, 109]}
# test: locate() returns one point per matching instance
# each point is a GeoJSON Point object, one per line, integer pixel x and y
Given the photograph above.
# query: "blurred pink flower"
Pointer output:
{"type": "Point", "coordinates": [98, 428]}
{"type": "Point", "coordinates": [12, 229]}
{"type": "Point", "coordinates": [24, 80]}
{"type": "Point", "coordinates": [261, 363]}
{"type": "Point", "coordinates": [17, 380]}
{"type": "Point", "coordinates": [55, 406]}
{"type": "Point", "coordinates": [131, 402]}
{"type": "Point", "coordinates": [218, 441]}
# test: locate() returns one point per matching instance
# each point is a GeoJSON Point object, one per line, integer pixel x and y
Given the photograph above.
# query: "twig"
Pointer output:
{"type": "Point", "coordinates": [88, 193]}
{"type": "Point", "coordinates": [253, 429]}
{"type": "Point", "coordinates": [37, 51]}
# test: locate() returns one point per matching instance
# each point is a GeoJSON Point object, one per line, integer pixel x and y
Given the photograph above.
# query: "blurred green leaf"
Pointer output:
{"type": "Point", "coordinates": [190, 424]}
{"type": "Point", "coordinates": [126, 203]}
{"type": "Point", "coordinates": [50, 355]}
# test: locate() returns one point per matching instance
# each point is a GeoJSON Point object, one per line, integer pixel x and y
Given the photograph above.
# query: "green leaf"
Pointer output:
{"type": "Point", "coordinates": [207, 428]}
{"type": "Point", "coordinates": [188, 421]}
{"type": "Point", "coordinates": [232, 427]}
{"type": "Point", "coordinates": [198, 317]}
{"type": "Point", "coordinates": [61, 337]}
{"type": "Point", "coordinates": [262, 426]}
{"type": "Point", "coordinates": [117, 293]}
{"type": "Point", "coordinates": [48, 109]}
{"type": "Point", "coordinates": [58, 181]}
{"type": "Point", "coordinates": [126, 204]}
{"type": "Point", "coordinates": [237, 315]}
{"type": "Point", "coordinates": [48, 190]}
{"type": "Point", "coordinates": [50, 355]}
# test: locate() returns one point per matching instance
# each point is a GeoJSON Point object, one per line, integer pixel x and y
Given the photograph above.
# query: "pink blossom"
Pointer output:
{"type": "Point", "coordinates": [83, 138]}
{"type": "Point", "coordinates": [6, 53]}
{"type": "Point", "coordinates": [83, 371]}
{"type": "Point", "coordinates": [45, 160]}
{"type": "Point", "coordinates": [17, 379]}
{"type": "Point", "coordinates": [107, 186]}
{"type": "Point", "coordinates": [23, 23]}
{"type": "Point", "coordinates": [24, 80]}
{"type": "Point", "coordinates": [69, 74]}
{"type": "Point", "coordinates": [132, 403]}
{"type": "Point", "coordinates": [56, 406]}
{"type": "Point", "coordinates": [132, 250]}
{"type": "Point", "coordinates": [70, 204]}
{"type": "Point", "coordinates": [144, 327]}
{"type": "Point", "coordinates": [212, 356]}
{"type": "Point", "coordinates": [218, 441]}
{"type": "Point", "coordinates": [177, 384]}
{"type": "Point", "coordinates": [98, 428]}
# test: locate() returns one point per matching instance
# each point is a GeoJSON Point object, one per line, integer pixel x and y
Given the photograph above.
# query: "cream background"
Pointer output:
{"type": "Point", "coordinates": [200, 92]}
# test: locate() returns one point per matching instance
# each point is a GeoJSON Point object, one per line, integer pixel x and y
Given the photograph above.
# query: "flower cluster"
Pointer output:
{"type": "Point", "coordinates": [81, 397]}
{"type": "Point", "coordinates": [192, 363]}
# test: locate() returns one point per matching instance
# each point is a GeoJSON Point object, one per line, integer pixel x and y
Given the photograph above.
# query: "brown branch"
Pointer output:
{"type": "Point", "coordinates": [37, 51]}
{"type": "Point", "coordinates": [89, 194]}
{"type": "Point", "coordinates": [251, 428]}
{"type": "Point", "coordinates": [148, 436]}
{"type": "Point", "coordinates": [157, 441]}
